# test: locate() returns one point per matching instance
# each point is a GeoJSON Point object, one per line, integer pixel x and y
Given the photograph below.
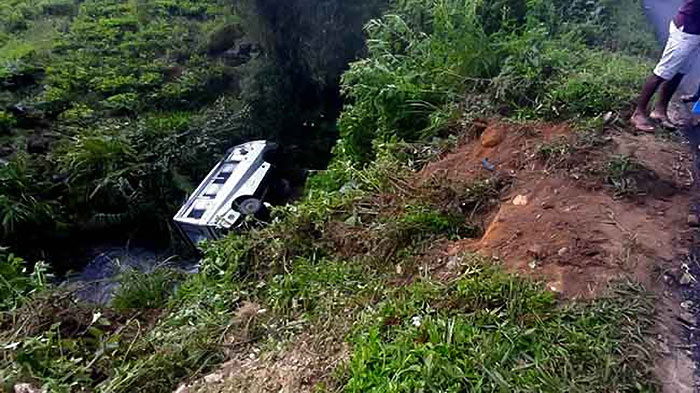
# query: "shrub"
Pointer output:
{"type": "Point", "coordinates": [123, 103]}
{"type": "Point", "coordinates": [149, 290]}
{"type": "Point", "coordinates": [59, 7]}
{"type": "Point", "coordinates": [7, 121]}
{"type": "Point", "coordinates": [223, 38]}
{"type": "Point", "coordinates": [18, 282]}
{"type": "Point", "coordinates": [534, 58]}
{"type": "Point", "coordinates": [415, 70]}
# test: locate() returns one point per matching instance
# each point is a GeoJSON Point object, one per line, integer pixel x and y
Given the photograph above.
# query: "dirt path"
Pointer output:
{"type": "Point", "coordinates": [660, 13]}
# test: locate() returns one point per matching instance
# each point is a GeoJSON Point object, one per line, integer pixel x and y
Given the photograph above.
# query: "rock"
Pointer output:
{"type": "Point", "coordinates": [686, 279]}
{"type": "Point", "coordinates": [26, 388]}
{"type": "Point", "coordinates": [562, 251]}
{"type": "Point", "coordinates": [693, 220]}
{"type": "Point", "coordinates": [688, 304]}
{"type": "Point", "coordinates": [520, 200]}
{"type": "Point", "coordinates": [547, 205]}
{"type": "Point", "coordinates": [492, 136]}
{"type": "Point", "coordinates": [607, 118]}
{"type": "Point", "coordinates": [215, 378]}
{"type": "Point", "coordinates": [532, 264]}
{"type": "Point", "coordinates": [183, 389]}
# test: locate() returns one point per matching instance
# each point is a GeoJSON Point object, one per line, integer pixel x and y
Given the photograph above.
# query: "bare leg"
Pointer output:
{"type": "Point", "coordinates": [640, 119]}
{"type": "Point", "coordinates": [668, 89]}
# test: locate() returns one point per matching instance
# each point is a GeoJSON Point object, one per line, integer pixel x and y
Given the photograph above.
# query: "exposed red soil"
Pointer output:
{"type": "Point", "coordinates": [513, 153]}
{"type": "Point", "coordinates": [569, 229]}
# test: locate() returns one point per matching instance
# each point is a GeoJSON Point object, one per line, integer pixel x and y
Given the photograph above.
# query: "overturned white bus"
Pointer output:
{"type": "Point", "coordinates": [234, 189]}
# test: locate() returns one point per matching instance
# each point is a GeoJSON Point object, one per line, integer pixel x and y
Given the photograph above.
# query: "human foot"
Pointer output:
{"type": "Point", "coordinates": [663, 119]}
{"type": "Point", "coordinates": [642, 122]}
{"type": "Point", "coordinates": [690, 98]}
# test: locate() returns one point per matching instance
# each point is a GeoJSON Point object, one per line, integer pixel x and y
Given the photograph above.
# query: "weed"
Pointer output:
{"type": "Point", "coordinates": [150, 290]}
{"type": "Point", "coordinates": [555, 154]}
{"type": "Point", "coordinates": [17, 283]}
{"type": "Point", "coordinates": [494, 332]}
{"type": "Point", "coordinates": [620, 174]}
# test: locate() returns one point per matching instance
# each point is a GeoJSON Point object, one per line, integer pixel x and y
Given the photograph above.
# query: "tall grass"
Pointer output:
{"type": "Point", "coordinates": [560, 60]}
{"type": "Point", "coordinates": [491, 332]}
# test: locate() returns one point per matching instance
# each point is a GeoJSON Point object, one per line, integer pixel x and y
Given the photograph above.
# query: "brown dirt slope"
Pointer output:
{"type": "Point", "coordinates": [564, 224]}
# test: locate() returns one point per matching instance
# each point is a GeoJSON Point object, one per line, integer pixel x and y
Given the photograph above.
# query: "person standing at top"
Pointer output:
{"type": "Point", "coordinates": [681, 51]}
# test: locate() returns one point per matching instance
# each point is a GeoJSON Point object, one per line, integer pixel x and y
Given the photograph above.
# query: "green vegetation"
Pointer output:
{"type": "Point", "coordinates": [112, 110]}
{"type": "Point", "coordinates": [621, 175]}
{"type": "Point", "coordinates": [492, 332]}
{"type": "Point", "coordinates": [328, 266]}
{"type": "Point", "coordinates": [421, 65]}
{"type": "Point", "coordinates": [146, 290]}
{"type": "Point", "coordinates": [17, 282]}
{"type": "Point", "coordinates": [117, 108]}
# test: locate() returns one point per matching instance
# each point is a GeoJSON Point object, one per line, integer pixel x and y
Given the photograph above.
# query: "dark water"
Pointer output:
{"type": "Point", "coordinates": [99, 279]}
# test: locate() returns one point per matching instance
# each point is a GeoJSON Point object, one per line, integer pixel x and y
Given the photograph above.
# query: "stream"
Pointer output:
{"type": "Point", "coordinates": [99, 279]}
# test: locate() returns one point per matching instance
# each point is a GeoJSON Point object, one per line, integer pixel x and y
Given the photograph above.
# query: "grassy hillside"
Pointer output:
{"type": "Point", "coordinates": [112, 110]}
{"type": "Point", "coordinates": [349, 268]}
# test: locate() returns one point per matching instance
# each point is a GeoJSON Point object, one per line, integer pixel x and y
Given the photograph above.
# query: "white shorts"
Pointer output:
{"type": "Point", "coordinates": [681, 51]}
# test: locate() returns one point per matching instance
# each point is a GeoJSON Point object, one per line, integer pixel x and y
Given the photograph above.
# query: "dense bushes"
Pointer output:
{"type": "Point", "coordinates": [111, 110]}
{"type": "Point", "coordinates": [416, 68]}
{"type": "Point", "coordinates": [82, 83]}
{"type": "Point", "coordinates": [525, 59]}
{"type": "Point", "coordinates": [18, 281]}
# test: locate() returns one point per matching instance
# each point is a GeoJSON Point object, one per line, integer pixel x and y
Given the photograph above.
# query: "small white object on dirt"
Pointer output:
{"type": "Point", "coordinates": [532, 264]}
{"type": "Point", "coordinates": [562, 251]}
{"type": "Point", "coordinates": [399, 269]}
{"type": "Point", "coordinates": [607, 117]}
{"type": "Point", "coordinates": [688, 304]}
{"type": "Point", "coordinates": [686, 278]}
{"type": "Point", "coordinates": [27, 388]}
{"type": "Point", "coordinates": [214, 378]}
{"type": "Point", "coordinates": [520, 200]}
{"type": "Point", "coordinates": [416, 321]}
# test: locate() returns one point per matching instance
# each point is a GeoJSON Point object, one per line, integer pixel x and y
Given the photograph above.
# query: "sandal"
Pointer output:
{"type": "Point", "coordinates": [664, 121]}
{"type": "Point", "coordinates": [690, 98]}
{"type": "Point", "coordinates": [644, 125]}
